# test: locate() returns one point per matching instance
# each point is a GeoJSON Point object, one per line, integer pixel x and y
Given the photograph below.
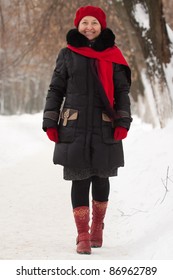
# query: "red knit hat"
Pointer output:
{"type": "Point", "coordinates": [90, 11]}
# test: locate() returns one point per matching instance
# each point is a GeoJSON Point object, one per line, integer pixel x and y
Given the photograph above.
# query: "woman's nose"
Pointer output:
{"type": "Point", "coordinates": [89, 27]}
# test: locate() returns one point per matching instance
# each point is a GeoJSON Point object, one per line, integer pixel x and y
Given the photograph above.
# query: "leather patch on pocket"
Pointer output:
{"type": "Point", "coordinates": [105, 118]}
{"type": "Point", "coordinates": [68, 114]}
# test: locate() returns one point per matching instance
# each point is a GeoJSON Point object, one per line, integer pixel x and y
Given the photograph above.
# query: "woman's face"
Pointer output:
{"type": "Point", "coordinates": [90, 27]}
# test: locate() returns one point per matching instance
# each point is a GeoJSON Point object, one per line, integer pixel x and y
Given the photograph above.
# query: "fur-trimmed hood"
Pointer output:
{"type": "Point", "coordinates": [105, 40]}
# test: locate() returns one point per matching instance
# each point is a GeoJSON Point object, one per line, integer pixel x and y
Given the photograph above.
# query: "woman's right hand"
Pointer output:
{"type": "Point", "coordinates": [52, 134]}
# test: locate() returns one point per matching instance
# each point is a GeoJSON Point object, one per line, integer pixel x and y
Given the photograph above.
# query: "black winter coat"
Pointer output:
{"type": "Point", "coordinates": [84, 125]}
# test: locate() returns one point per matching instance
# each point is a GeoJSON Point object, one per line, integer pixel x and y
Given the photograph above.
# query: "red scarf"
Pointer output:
{"type": "Point", "coordinates": [104, 64]}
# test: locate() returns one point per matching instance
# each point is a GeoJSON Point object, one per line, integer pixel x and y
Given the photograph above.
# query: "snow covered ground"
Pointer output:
{"type": "Point", "coordinates": [36, 220]}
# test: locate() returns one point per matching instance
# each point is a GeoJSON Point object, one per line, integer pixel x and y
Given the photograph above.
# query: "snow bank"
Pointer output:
{"type": "Point", "coordinates": [35, 210]}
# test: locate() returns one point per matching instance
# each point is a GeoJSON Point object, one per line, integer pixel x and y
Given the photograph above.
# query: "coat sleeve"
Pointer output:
{"type": "Point", "coordinates": [56, 92]}
{"type": "Point", "coordinates": [121, 94]}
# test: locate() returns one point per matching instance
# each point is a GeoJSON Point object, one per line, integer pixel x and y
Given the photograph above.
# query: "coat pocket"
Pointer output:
{"type": "Point", "coordinates": [67, 125]}
{"type": "Point", "coordinates": [107, 129]}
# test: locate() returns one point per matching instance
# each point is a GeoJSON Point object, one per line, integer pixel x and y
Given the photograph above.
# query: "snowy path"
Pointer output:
{"type": "Point", "coordinates": [36, 220]}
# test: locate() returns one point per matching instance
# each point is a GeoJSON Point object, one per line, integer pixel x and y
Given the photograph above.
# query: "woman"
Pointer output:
{"type": "Point", "coordinates": [92, 81]}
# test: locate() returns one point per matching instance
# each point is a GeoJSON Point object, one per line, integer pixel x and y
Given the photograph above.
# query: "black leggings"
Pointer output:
{"type": "Point", "coordinates": [80, 190]}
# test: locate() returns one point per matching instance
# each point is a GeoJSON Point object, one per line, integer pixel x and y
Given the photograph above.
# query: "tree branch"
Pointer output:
{"type": "Point", "coordinates": [165, 184]}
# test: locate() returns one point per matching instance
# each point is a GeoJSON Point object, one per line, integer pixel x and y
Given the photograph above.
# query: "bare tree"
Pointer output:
{"type": "Point", "coordinates": [149, 38]}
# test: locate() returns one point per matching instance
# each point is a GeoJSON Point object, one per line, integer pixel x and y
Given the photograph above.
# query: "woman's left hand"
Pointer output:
{"type": "Point", "coordinates": [120, 133]}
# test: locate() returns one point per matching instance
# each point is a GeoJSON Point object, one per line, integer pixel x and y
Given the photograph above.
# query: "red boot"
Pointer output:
{"type": "Point", "coordinates": [99, 210]}
{"type": "Point", "coordinates": [81, 215]}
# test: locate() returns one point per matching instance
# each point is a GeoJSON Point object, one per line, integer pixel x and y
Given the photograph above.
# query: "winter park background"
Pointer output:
{"type": "Point", "coordinates": [36, 220]}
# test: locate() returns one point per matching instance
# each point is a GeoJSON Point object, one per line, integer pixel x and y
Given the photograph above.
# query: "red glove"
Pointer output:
{"type": "Point", "coordinates": [120, 133]}
{"type": "Point", "coordinates": [52, 133]}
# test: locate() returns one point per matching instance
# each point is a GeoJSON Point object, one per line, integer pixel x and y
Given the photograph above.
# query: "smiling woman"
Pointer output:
{"type": "Point", "coordinates": [90, 27]}
{"type": "Point", "coordinates": [94, 77]}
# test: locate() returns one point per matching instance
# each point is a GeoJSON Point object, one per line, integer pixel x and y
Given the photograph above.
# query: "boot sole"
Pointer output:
{"type": "Point", "coordinates": [84, 253]}
{"type": "Point", "coordinates": [96, 244]}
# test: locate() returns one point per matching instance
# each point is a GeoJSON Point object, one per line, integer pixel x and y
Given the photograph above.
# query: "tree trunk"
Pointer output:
{"type": "Point", "coordinates": [148, 24]}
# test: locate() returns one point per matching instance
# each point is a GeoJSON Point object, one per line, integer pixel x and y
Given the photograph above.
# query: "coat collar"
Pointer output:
{"type": "Point", "coordinates": [105, 40]}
